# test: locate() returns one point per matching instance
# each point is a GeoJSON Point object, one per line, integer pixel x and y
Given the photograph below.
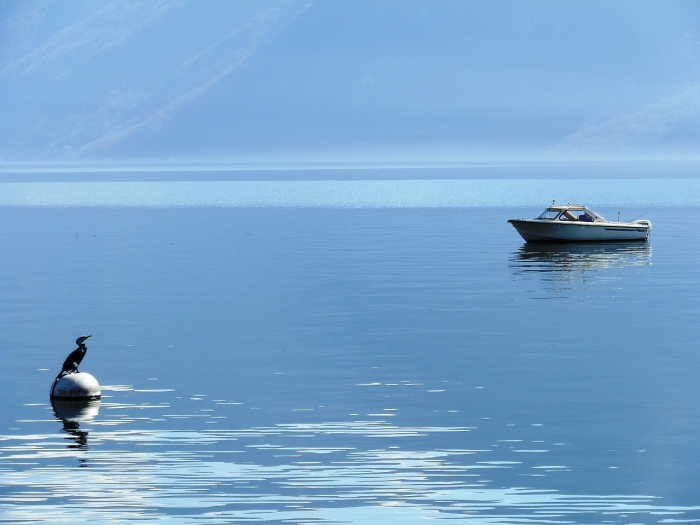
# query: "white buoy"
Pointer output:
{"type": "Point", "coordinates": [79, 385]}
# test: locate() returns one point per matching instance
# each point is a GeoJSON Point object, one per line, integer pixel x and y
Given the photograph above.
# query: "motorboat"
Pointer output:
{"type": "Point", "coordinates": [577, 223]}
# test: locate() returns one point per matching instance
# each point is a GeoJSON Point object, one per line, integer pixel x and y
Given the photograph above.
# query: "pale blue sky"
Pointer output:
{"type": "Point", "coordinates": [333, 80]}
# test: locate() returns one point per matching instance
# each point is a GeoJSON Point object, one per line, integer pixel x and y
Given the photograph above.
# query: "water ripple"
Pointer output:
{"type": "Point", "coordinates": [136, 475]}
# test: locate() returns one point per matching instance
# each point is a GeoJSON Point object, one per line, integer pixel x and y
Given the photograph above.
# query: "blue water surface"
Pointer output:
{"type": "Point", "coordinates": [367, 357]}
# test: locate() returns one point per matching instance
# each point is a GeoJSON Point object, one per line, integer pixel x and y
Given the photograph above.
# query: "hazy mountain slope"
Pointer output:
{"type": "Point", "coordinates": [148, 79]}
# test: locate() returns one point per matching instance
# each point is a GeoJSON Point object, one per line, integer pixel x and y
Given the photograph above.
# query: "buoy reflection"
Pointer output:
{"type": "Point", "coordinates": [72, 412]}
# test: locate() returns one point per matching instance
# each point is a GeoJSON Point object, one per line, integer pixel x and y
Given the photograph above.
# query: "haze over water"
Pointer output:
{"type": "Point", "coordinates": [284, 224]}
{"type": "Point", "coordinates": [324, 362]}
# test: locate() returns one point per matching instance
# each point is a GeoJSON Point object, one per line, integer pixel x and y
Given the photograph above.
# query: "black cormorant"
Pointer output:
{"type": "Point", "coordinates": [71, 363]}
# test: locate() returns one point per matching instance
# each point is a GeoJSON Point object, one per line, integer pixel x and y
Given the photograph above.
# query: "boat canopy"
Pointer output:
{"type": "Point", "coordinates": [570, 212]}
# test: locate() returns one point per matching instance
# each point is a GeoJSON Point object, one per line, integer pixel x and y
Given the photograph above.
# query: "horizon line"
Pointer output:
{"type": "Point", "coordinates": [226, 165]}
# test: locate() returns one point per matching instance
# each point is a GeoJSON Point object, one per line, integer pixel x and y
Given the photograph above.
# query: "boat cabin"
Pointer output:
{"type": "Point", "coordinates": [570, 212]}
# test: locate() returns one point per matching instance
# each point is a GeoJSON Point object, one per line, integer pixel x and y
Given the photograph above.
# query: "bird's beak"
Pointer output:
{"type": "Point", "coordinates": [88, 336]}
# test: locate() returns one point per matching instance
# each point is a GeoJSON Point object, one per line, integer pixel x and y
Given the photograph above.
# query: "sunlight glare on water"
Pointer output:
{"type": "Point", "coordinates": [279, 473]}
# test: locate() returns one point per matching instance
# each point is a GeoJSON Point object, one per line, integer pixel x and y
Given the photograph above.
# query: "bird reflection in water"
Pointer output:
{"type": "Point", "coordinates": [559, 261]}
{"type": "Point", "coordinates": [72, 412]}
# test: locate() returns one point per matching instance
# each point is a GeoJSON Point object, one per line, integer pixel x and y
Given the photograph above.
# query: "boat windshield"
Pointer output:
{"type": "Point", "coordinates": [549, 214]}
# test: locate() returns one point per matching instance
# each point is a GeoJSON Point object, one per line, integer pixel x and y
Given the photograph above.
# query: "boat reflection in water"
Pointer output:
{"type": "Point", "coordinates": [558, 262]}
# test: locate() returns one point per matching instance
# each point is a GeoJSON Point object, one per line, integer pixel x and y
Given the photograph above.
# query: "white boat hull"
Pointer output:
{"type": "Point", "coordinates": [536, 230]}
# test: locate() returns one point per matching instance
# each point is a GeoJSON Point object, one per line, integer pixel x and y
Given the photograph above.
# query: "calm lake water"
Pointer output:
{"type": "Point", "coordinates": [348, 356]}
